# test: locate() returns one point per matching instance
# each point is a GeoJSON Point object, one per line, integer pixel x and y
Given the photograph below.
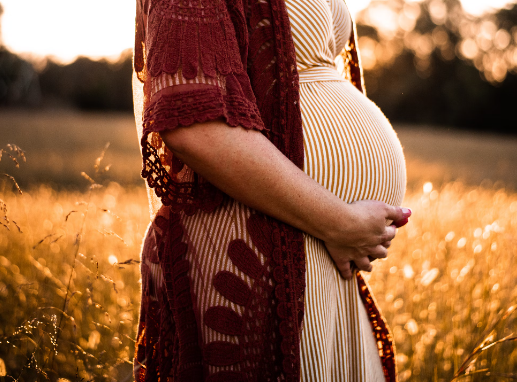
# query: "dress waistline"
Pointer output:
{"type": "Point", "coordinates": [320, 73]}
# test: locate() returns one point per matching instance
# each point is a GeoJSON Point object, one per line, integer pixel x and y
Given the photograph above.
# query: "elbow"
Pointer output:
{"type": "Point", "coordinates": [176, 140]}
{"type": "Point", "coordinates": [193, 139]}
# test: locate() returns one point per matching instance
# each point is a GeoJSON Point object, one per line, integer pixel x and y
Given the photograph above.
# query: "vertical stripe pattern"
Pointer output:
{"type": "Point", "coordinates": [352, 150]}
{"type": "Point", "coordinates": [225, 224]}
{"type": "Point", "coordinates": [166, 80]}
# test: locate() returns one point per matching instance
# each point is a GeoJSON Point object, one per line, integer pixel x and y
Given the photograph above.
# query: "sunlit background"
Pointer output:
{"type": "Point", "coordinates": [443, 71]}
{"type": "Point", "coordinates": [65, 29]}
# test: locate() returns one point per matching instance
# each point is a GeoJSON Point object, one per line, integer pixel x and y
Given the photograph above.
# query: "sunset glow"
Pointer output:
{"type": "Point", "coordinates": [66, 29]}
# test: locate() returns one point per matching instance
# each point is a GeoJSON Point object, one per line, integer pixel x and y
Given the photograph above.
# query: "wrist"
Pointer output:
{"type": "Point", "coordinates": [339, 223]}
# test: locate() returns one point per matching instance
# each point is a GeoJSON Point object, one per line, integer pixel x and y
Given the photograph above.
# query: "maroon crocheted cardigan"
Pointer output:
{"type": "Point", "coordinates": [246, 48]}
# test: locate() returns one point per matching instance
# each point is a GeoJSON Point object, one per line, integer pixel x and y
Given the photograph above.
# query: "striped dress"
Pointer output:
{"type": "Point", "coordinates": [352, 150]}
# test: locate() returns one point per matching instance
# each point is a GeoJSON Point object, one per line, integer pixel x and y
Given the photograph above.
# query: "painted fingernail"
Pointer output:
{"type": "Point", "coordinates": [406, 211]}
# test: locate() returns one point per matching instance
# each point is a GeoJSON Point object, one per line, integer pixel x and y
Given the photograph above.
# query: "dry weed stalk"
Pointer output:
{"type": "Point", "coordinates": [46, 237]}
{"type": "Point", "coordinates": [111, 233]}
{"type": "Point", "coordinates": [97, 166]}
{"type": "Point", "coordinates": [5, 221]}
{"type": "Point", "coordinates": [18, 152]}
{"type": "Point", "coordinates": [77, 245]}
{"type": "Point", "coordinates": [487, 342]}
{"type": "Point", "coordinates": [14, 152]}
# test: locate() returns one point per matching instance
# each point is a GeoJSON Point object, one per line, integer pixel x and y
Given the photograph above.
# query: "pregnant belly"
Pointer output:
{"type": "Point", "coordinates": [350, 147]}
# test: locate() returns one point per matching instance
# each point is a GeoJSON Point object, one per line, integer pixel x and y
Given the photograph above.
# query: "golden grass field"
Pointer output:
{"type": "Point", "coordinates": [69, 289]}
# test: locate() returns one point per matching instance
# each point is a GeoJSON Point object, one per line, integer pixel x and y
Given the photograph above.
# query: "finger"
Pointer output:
{"type": "Point", "coordinates": [386, 244]}
{"type": "Point", "coordinates": [364, 264]}
{"type": "Point", "coordinates": [389, 234]}
{"type": "Point", "coordinates": [398, 213]}
{"type": "Point", "coordinates": [379, 252]}
{"type": "Point", "coordinates": [401, 223]}
{"type": "Point", "coordinates": [346, 271]}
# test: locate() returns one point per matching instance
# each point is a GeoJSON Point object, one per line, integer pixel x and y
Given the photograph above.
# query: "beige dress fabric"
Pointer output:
{"type": "Point", "coordinates": [352, 150]}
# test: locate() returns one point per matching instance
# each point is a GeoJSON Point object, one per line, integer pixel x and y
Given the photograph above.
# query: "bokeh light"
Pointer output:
{"type": "Point", "coordinates": [480, 38]}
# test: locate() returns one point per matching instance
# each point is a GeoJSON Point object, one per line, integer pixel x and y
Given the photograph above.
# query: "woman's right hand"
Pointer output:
{"type": "Point", "coordinates": [367, 236]}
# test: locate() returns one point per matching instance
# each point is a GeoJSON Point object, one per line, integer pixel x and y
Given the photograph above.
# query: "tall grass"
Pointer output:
{"type": "Point", "coordinates": [449, 285]}
{"type": "Point", "coordinates": [69, 283]}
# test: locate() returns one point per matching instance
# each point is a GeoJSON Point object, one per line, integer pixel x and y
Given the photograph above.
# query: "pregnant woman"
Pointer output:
{"type": "Point", "coordinates": [272, 182]}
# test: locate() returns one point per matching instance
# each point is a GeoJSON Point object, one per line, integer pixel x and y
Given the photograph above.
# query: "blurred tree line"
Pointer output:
{"type": "Point", "coordinates": [430, 62]}
{"type": "Point", "coordinates": [425, 61]}
{"type": "Point", "coordinates": [84, 84]}
{"type": "Point", "coordinates": [88, 84]}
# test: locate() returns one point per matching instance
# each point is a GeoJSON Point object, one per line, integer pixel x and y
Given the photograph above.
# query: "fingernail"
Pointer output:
{"type": "Point", "coordinates": [406, 211]}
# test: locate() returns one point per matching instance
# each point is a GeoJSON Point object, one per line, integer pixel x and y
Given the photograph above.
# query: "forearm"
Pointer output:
{"type": "Point", "coordinates": [248, 167]}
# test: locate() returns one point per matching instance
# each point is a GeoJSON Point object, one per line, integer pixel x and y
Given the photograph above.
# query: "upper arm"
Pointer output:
{"type": "Point", "coordinates": [192, 73]}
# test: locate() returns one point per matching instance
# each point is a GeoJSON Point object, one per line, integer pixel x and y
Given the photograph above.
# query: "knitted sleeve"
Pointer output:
{"type": "Point", "coordinates": [188, 57]}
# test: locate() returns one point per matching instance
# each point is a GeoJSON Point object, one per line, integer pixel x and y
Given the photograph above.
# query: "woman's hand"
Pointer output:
{"type": "Point", "coordinates": [367, 238]}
